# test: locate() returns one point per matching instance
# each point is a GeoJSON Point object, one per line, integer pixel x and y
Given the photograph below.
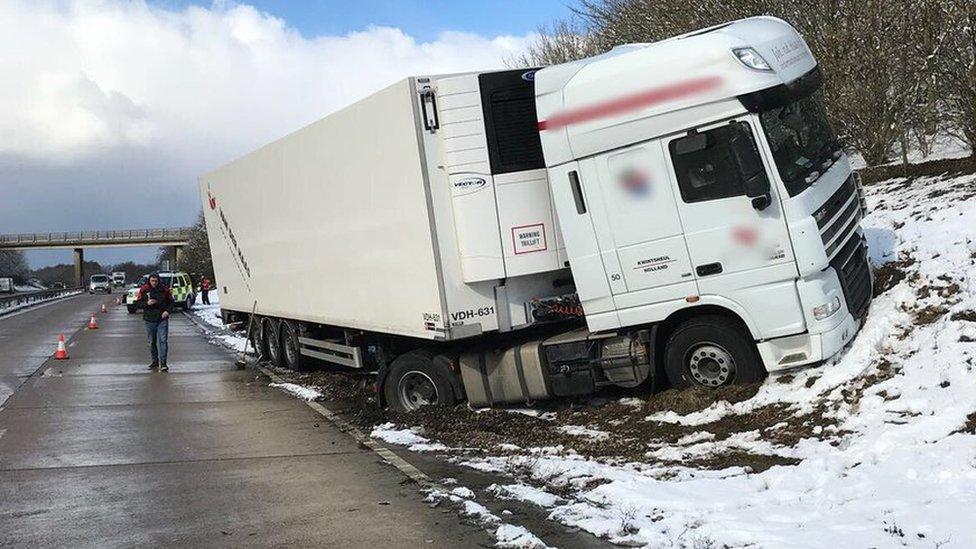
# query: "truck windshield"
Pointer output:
{"type": "Point", "coordinates": [803, 144]}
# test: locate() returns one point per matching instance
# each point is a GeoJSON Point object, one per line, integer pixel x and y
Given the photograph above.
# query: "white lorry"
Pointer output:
{"type": "Point", "coordinates": [678, 209]}
{"type": "Point", "coordinates": [118, 279]}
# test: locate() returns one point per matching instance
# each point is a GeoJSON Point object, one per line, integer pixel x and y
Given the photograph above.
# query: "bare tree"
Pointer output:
{"type": "Point", "coordinates": [881, 59]}
{"type": "Point", "coordinates": [196, 255]}
{"type": "Point", "coordinates": [13, 263]}
{"type": "Point", "coordinates": [564, 41]}
{"type": "Point", "coordinates": [958, 67]}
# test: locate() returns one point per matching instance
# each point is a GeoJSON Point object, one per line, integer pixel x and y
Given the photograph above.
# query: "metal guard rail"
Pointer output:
{"type": "Point", "coordinates": [16, 301]}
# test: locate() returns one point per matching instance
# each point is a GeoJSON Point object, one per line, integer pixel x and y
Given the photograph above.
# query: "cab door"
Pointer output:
{"type": "Point", "coordinates": [639, 229]}
{"type": "Point", "coordinates": [739, 245]}
{"type": "Point", "coordinates": [573, 194]}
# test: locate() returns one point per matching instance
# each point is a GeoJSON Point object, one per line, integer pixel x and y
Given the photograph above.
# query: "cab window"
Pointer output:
{"type": "Point", "coordinates": [705, 165]}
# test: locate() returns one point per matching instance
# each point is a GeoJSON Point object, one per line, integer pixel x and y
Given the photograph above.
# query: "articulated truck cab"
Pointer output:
{"type": "Point", "coordinates": [678, 209]}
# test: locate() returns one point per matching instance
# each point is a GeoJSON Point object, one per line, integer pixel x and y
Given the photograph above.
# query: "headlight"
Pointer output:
{"type": "Point", "coordinates": [823, 312]}
{"type": "Point", "coordinates": [750, 58]}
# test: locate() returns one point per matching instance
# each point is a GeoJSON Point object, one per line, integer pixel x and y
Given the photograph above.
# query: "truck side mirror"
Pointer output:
{"type": "Point", "coordinates": [751, 168]}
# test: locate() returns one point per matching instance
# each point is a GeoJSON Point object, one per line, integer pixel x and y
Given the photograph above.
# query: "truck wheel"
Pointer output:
{"type": "Point", "coordinates": [415, 381]}
{"type": "Point", "coordinates": [272, 343]}
{"type": "Point", "coordinates": [257, 342]}
{"type": "Point", "coordinates": [711, 351]}
{"type": "Point", "coordinates": [290, 346]}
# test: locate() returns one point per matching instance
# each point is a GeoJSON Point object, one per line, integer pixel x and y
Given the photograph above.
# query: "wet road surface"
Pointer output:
{"type": "Point", "coordinates": [99, 451]}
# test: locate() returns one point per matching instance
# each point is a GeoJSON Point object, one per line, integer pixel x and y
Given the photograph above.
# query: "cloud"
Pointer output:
{"type": "Point", "coordinates": [107, 105]}
{"type": "Point", "coordinates": [83, 77]}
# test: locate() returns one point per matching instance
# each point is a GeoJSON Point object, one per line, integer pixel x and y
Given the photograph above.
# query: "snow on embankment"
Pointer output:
{"type": "Point", "coordinates": [874, 449]}
{"type": "Point", "coordinates": [210, 315]}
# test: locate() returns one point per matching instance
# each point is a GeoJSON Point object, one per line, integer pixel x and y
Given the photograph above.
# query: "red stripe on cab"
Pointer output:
{"type": "Point", "coordinates": [631, 102]}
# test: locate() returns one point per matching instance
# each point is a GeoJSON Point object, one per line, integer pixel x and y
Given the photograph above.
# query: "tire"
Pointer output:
{"type": "Point", "coordinates": [415, 381]}
{"type": "Point", "coordinates": [257, 342]}
{"type": "Point", "coordinates": [132, 310]}
{"type": "Point", "coordinates": [187, 303]}
{"type": "Point", "coordinates": [290, 348]}
{"type": "Point", "coordinates": [271, 342]}
{"type": "Point", "coordinates": [711, 351]}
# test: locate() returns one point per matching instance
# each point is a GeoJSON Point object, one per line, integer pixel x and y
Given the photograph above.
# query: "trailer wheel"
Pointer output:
{"type": "Point", "coordinates": [415, 381]}
{"type": "Point", "coordinates": [711, 351]}
{"type": "Point", "coordinates": [257, 342]}
{"type": "Point", "coordinates": [291, 350]}
{"type": "Point", "coordinates": [271, 342]}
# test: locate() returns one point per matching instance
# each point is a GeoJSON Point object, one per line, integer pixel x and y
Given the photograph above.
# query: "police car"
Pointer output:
{"type": "Point", "coordinates": [179, 284]}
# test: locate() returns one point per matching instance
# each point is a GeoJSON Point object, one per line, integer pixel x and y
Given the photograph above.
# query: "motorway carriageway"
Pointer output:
{"type": "Point", "coordinates": [99, 451]}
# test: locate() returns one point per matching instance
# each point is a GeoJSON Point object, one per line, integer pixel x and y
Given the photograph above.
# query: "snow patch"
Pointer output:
{"type": "Point", "coordinates": [505, 534]}
{"type": "Point", "coordinates": [304, 393]}
{"type": "Point", "coordinates": [410, 438]}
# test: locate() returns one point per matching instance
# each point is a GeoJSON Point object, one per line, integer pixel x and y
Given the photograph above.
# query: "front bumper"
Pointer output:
{"type": "Point", "coordinates": [799, 350]}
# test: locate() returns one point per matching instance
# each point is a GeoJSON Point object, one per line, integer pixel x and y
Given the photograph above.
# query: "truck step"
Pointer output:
{"type": "Point", "coordinates": [331, 351]}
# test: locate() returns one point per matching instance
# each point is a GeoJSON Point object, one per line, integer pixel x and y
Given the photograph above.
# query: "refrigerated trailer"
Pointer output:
{"type": "Point", "coordinates": [679, 209]}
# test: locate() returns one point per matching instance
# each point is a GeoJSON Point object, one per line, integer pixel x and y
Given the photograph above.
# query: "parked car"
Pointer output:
{"type": "Point", "coordinates": [100, 283]}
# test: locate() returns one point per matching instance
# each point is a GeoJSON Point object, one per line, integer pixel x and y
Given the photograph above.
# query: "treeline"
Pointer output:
{"type": "Point", "coordinates": [65, 273]}
{"type": "Point", "coordinates": [896, 73]}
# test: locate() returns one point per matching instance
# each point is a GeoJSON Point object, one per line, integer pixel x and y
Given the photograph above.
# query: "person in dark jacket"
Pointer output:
{"type": "Point", "coordinates": [157, 304]}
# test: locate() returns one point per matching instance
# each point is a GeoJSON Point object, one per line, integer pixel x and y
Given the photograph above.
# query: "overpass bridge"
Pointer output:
{"type": "Point", "coordinates": [79, 240]}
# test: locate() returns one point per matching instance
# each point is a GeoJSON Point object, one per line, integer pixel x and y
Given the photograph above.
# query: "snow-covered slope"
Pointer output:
{"type": "Point", "coordinates": [876, 449]}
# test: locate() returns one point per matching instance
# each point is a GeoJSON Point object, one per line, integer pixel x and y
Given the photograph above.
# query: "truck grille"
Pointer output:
{"type": "Point", "coordinates": [855, 277]}
{"type": "Point", "coordinates": [838, 217]}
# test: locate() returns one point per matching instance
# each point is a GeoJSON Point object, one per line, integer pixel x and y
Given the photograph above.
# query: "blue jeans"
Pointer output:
{"type": "Point", "coordinates": [158, 333]}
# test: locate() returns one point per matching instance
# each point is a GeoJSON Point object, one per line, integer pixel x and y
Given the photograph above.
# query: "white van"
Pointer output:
{"type": "Point", "coordinates": [100, 283]}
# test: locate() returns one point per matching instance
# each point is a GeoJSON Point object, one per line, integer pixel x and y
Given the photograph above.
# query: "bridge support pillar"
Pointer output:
{"type": "Point", "coordinates": [80, 267]}
{"type": "Point", "coordinates": [177, 257]}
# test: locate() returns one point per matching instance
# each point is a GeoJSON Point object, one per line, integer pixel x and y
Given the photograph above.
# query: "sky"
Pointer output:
{"type": "Point", "coordinates": [111, 109]}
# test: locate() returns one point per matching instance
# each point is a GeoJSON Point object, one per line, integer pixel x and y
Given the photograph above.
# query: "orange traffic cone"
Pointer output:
{"type": "Point", "coordinates": [61, 353]}
{"type": "Point", "coordinates": [104, 309]}
{"type": "Point", "coordinates": [92, 325]}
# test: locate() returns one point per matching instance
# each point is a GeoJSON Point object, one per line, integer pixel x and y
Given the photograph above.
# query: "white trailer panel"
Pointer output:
{"type": "Point", "coordinates": [353, 221]}
{"type": "Point", "coordinates": [331, 223]}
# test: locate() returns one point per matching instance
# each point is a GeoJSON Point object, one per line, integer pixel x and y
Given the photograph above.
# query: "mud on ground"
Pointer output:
{"type": "Point", "coordinates": [617, 430]}
{"type": "Point", "coordinates": [614, 429]}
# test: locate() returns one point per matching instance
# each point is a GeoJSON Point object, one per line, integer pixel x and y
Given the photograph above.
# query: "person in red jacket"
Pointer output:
{"type": "Point", "coordinates": [157, 303]}
{"type": "Point", "coordinates": [205, 290]}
